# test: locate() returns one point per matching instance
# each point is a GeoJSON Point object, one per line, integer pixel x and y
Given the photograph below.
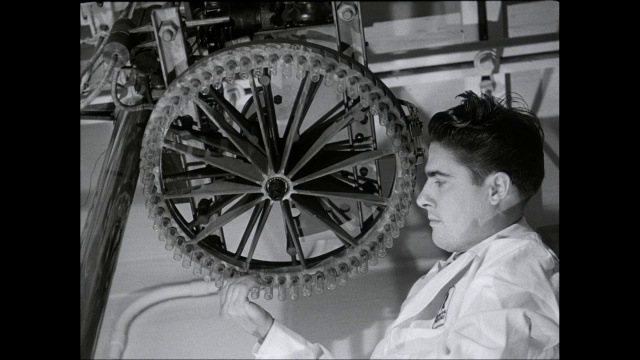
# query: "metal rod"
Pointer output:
{"type": "Point", "coordinates": [312, 207]}
{"type": "Point", "coordinates": [264, 127]}
{"type": "Point", "coordinates": [238, 209]}
{"type": "Point", "coordinates": [250, 151]}
{"type": "Point", "coordinates": [266, 209]}
{"type": "Point", "coordinates": [102, 234]}
{"type": "Point", "coordinates": [359, 158]}
{"type": "Point", "coordinates": [234, 166]}
{"type": "Point", "coordinates": [206, 22]}
{"type": "Point", "coordinates": [295, 120]}
{"type": "Point", "coordinates": [288, 217]}
{"type": "Point", "coordinates": [219, 187]}
{"type": "Point", "coordinates": [252, 223]}
{"type": "Point", "coordinates": [326, 136]}
{"type": "Point", "coordinates": [483, 26]}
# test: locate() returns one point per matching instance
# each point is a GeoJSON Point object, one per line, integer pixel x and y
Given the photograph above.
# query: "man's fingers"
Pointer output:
{"type": "Point", "coordinates": [234, 295]}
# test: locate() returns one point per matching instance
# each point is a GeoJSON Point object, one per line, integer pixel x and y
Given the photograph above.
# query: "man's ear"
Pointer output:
{"type": "Point", "coordinates": [499, 184]}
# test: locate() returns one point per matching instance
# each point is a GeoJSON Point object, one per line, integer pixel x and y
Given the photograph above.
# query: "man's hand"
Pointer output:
{"type": "Point", "coordinates": [234, 305]}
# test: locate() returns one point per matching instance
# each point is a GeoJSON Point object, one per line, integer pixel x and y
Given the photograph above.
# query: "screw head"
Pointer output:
{"type": "Point", "coordinates": [277, 99]}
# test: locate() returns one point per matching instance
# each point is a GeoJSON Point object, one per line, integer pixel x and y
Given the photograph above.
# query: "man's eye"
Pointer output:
{"type": "Point", "coordinates": [439, 183]}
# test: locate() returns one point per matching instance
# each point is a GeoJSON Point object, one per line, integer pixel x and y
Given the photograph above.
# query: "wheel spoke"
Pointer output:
{"type": "Point", "coordinates": [249, 150]}
{"type": "Point", "coordinates": [234, 166]}
{"type": "Point", "coordinates": [303, 100]}
{"type": "Point", "coordinates": [312, 207]}
{"type": "Point", "coordinates": [266, 209]}
{"type": "Point", "coordinates": [268, 142]}
{"type": "Point", "coordinates": [218, 205]}
{"type": "Point", "coordinates": [216, 188]}
{"type": "Point", "coordinates": [359, 158]}
{"type": "Point", "coordinates": [322, 123]}
{"type": "Point", "coordinates": [214, 141]}
{"type": "Point", "coordinates": [235, 115]}
{"type": "Point", "coordinates": [291, 226]}
{"type": "Point", "coordinates": [236, 210]}
{"type": "Point", "coordinates": [354, 114]}
{"type": "Point", "coordinates": [250, 226]}
{"type": "Point", "coordinates": [340, 190]}
{"type": "Point", "coordinates": [272, 119]}
{"type": "Point", "coordinates": [196, 174]}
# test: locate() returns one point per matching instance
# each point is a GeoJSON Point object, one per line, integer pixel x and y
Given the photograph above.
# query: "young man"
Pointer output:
{"type": "Point", "coordinates": [497, 296]}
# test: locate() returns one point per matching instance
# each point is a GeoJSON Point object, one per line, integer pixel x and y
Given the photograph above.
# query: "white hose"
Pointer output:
{"type": "Point", "coordinates": [195, 288]}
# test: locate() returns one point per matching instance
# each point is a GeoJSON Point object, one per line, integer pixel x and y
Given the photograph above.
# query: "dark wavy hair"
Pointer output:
{"type": "Point", "coordinates": [487, 136]}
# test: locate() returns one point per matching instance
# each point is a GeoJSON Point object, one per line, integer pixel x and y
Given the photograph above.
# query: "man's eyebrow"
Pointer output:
{"type": "Point", "coordinates": [436, 173]}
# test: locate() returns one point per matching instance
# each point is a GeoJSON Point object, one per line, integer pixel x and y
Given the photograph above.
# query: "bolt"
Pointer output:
{"type": "Point", "coordinates": [168, 30]}
{"type": "Point", "coordinates": [277, 99]}
{"type": "Point", "coordinates": [167, 35]}
{"type": "Point", "coordinates": [347, 12]}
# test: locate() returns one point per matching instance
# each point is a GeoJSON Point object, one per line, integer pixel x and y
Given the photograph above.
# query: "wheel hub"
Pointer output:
{"type": "Point", "coordinates": [276, 188]}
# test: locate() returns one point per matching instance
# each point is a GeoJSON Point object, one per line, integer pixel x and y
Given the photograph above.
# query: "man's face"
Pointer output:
{"type": "Point", "coordinates": [459, 212]}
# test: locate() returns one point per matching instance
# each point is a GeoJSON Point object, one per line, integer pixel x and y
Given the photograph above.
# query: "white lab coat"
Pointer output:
{"type": "Point", "coordinates": [497, 300]}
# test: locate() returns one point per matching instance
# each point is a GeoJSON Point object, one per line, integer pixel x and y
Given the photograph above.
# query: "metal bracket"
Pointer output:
{"type": "Point", "coordinates": [415, 129]}
{"type": "Point", "coordinates": [349, 31]}
{"type": "Point", "coordinates": [172, 50]}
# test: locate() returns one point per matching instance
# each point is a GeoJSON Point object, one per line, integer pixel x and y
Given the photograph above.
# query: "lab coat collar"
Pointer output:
{"type": "Point", "coordinates": [457, 263]}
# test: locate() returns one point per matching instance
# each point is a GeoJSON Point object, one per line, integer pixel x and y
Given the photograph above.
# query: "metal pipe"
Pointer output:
{"type": "Point", "coordinates": [205, 22]}
{"type": "Point", "coordinates": [102, 234]}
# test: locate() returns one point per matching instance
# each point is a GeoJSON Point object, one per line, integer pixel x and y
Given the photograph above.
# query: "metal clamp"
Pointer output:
{"type": "Point", "coordinates": [415, 129]}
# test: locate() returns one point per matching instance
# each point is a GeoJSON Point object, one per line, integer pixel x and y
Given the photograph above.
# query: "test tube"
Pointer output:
{"type": "Point", "coordinates": [218, 76]}
{"type": "Point", "coordinates": [245, 67]}
{"type": "Point", "coordinates": [353, 266]}
{"type": "Point", "coordinates": [395, 230]}
{"type": "Point", "coordinates": [328, 77]}
{"type": "Point", "coordinates": [331, 279]}
{"type": "Point", "coordinates": [208, 270]}
{"type": "Point", "coordinates": [231, 71]}
{"type": "Point", "coordinates": [306, 285]}
{"type": "Point", "coordinates": [295, 289]}
{"type": "Point", "coordinates": [172, 234]}
{"type": "Point", "coordinates": [268, 287]}
{"type": "Point", "coordinates": [220, 279]}
{"type": "Point", "coordinates": [343, 275]}
{"type": "Point", "coordinates": [400, 215]}
{"type": "Point", "coordinates": [197, 264]}
{"type": "Point", "coordinates": [259, 65]}
{"type": "Point", "coordinates": [287, 66]}
{"type": "Point", "coordinates": [341, 76]}
{"type": "Point", "coordinates": [188, 256]}
{"type": "Point", "coordinates": [273, 65]}
{"type": "Point", "coordinates": [157, 218]}
{"type": "Point", "coordinates": [316, 67]}
{"type": "Point", "coordinates": [302, 67]}
{"type": "Point", "coordinates": [373, 246]}
{"type": "Point", "coordinates": [152, 201]}
{"type": "Point", "coordinates": [364, 264]}
{"type": "Point", "coordinates": [382, 113]}
{"type": "Point", "coordinates": [282, 290]}
{"type": "Point", "coordinates": [364, 95]}
{"type": "Point", "coordinates": [353, 87]}
{"type": "Point", "coordinates": [255, 291]}
{"type": "Point", "coordinates": [319, 283]}
{"type": "Point", "coordinates": [177, 253]}
{"type": "Point", "coordinates": [382, 249]}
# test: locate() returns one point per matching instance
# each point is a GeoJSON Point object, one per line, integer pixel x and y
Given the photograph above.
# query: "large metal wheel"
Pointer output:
{"type": "Point", "coordinates": [303, 151]}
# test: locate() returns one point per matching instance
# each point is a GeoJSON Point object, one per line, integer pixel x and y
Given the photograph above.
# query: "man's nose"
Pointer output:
{"type": "Point", "coordinates": [424, 199]}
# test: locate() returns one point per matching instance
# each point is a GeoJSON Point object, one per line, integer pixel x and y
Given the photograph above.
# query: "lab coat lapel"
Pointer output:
{"type": "Point", "coordinates": [424, 296]}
